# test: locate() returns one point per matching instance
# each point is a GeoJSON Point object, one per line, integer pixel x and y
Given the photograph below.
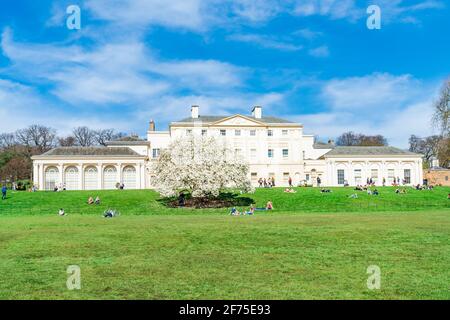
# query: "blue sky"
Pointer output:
{"type": "Point", "coordinates": [311, 61]}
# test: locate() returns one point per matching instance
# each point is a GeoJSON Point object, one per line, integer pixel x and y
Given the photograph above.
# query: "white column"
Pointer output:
{"type": "Point", "coordinates": [420, 168]}
{"type": "Point", "coordinates": [41, 184]}
{"type": "Point", "coordinates": [61, 174]}
{"type": "Point", "coordinates": [121, 173]}
{"type": "Point", "coordinates": [351, 175]}
{"type": "Point", "coordinates": [35, 174]}
{"type": "Point", "coordinates": [80, 177]}
{"type": "Point", "coordinates": [100, 176]}
{"type": "Point", "coordinates": [137, 166]}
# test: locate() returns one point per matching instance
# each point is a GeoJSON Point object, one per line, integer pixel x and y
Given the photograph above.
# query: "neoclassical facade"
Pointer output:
{"type": "Point", "coordinates": [274, 148]}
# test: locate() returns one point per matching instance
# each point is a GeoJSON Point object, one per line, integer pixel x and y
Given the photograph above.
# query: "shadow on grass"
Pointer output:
{"type": "Point", "coordinates": [224, 200]}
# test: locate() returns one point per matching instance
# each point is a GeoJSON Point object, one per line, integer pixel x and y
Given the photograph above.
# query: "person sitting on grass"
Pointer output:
{"type": "Point", "coordinates": [397, 190]}
{"type": "Point", "coordinates": [251, 211]}
{"type": "Point", "coordinates": [61, 212]}
{"type": "Point", "coordinates": [369, 192]}
{"type": "Point", "coordinates": [110, 213]}
{"type": "Point", "coordinates": [448, 197]}
{"type": "Point", "coordinates": [90, 200]}
{"type": "Point", "coordinates": [289, 190]}
{"type": "Point", "coordinates": [353, 196]}
{"type": "Point", "coordinates": [97, 200]}
{"type": "Point", "coordinates": [234, 212]}
{"type": "Point", "coordinates": [375, 192]}
{"type": "Point", "coordinates": [325, 191]}
{"type": "Point", "coordinates": [269, 205]}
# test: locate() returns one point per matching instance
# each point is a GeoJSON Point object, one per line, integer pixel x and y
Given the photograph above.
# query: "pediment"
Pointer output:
{"type": "Point", "coordinates": [238, 120]}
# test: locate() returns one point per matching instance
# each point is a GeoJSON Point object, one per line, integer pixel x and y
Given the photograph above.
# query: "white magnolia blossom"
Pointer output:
{"type": "Point", "coordinates": [202, 165]}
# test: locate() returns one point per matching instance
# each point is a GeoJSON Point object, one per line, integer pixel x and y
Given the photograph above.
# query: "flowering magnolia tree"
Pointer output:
{"type": "Point", "coordinates": [202, 165]}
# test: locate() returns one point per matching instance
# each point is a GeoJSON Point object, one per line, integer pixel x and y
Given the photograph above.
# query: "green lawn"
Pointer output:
{"type": "Point", "coordinates": [312, 245]}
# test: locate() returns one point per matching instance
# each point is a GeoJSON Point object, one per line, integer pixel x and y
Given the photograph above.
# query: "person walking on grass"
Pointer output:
{"type": "Point", "coordinates": [4, 192]}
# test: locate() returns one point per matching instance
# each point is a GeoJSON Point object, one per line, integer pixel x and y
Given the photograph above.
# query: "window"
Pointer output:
{"type": "Point", "coordinates": [341, 176]}
{"type": "Point", "coordinates": [204, 132]}
{"type": "Point", "coordinates": [446, 178]}
{"type": "Point", "coordinates": [284, 132]}
{"type": "Point", "coordinates": [155, 153]}
{"type": "Point", "coordinates": [253, 153]}
{"type": "Point", "coordinates": [407, 176]}
{"type": "Point", "coordinates": [358, 177]}
{"type": "Point", "coordinates": [270, 133]}
{"type": "Point", "coordinates": [391, 175]}
{"type": "Point", "coordinates": [307, 177]}
{"type": "Point", "coordinates": [285, 176]}
{"type": "Point", "coordinates": [304, 155]}
{"type": "Point", "coordinates": [270, 153]}
{"type": "Point", "coordinates": [237, 133]}
{"type": "Point", "coordinates": [254, 176]}
{"type": "Point", "coordinates": [285, 153]}
{"type": "Point", "coordinates": [374, 175]}
{"type": "Point", "coordinates": [223, 132]}
{"type": "Point", "coordinates": [238, 152]}
{"type": "Point", "coordinates": [253, 133]}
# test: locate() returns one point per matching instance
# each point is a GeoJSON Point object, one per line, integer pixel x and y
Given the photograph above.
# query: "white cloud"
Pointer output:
{"type": "Point", "coordinates": [380, 103]}
{"type": "Point", "coordinates": [307, 33]}
{"type": "Point", "coordinates": [320, 52]}
{"type": "Point", "coordinates": [265, 42]}
{"type": "Point", "coordinates": [115, 72]}
{"type": "Point", "coordinates": [371, 91]}
{"type": "Point", "coordinates": [336, 9]}
{"type": "Point", "coordinates": [187, 14]}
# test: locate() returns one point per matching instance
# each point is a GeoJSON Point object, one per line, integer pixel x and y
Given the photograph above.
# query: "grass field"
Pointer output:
{"type": "Point", "coordinates": [312, 246]}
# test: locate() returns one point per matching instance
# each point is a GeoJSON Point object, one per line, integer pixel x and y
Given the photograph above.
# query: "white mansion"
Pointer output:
{"type": "Point", "coordinates": [273, 147]}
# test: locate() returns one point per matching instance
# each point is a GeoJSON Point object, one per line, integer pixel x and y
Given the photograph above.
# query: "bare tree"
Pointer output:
{"type": "Point", "coordinates": [347, 139]}
{"type": "Point", "coordinates": [7, 140]}
{"type": "Point", "coordinates": [17, 168]}
{"type": "Point", "coordinates": [84, 136]}
{"type": "Point", "coordinates": [68, 141]}
{"type": "Point", "coordinates": [428, 146]}
{"type": "Point", "coordinates": [37, 136]}
{"type": "Point", "coordinates": [441, 116]}
{"type": "Point", "coordinates": [105, 135]}
{"type": "Point", "coordinates": [357, 139]}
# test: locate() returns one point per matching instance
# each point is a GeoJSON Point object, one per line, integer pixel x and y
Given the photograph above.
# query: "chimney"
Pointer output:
{"type": "Point", "coordinates": [194, 112]}
{"type": "Point", "coordinates": [152, 126]}
{"type": "Point", "coordinates": [257, 112]}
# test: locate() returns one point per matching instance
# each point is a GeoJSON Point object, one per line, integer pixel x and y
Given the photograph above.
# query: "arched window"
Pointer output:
{"type": "Point", "coordinates": [129, 177]}
{"type": "Point", "coordinates": [51, 178]}
{"type": "Point", "coordinates": [90, 178]}
{"type": "Point", "coordinates": [71, 178]}
{"type": "Point", "coordinates": [110, 178]}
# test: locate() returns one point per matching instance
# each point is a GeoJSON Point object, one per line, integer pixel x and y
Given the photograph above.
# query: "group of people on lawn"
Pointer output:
{"type": "Point", "coordinates": [266, 183]}
{"type": "Point", "coordinates": [251, 211]}
{"type": "Point", "coordinates": [92, 201]}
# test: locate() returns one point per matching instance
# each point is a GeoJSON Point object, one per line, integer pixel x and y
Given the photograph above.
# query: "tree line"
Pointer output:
{"type": "Point", "coordinates": [437, 145]}
{"type": "Point", "coordinates": [17, 148]}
